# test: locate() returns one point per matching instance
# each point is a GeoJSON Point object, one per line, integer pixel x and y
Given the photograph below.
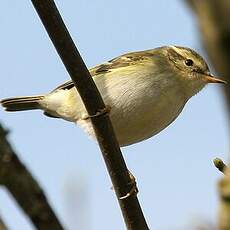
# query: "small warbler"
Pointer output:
{"type": "Point", "coordinates": [145, 91]}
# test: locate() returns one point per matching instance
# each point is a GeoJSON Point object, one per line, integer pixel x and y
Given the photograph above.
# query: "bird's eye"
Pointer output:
{"type": "Point", "coordinates": [189, 62]}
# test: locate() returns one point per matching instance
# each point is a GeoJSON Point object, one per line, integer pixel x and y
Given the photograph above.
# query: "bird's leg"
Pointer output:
{"type": "Point", "coordinates": [133, 190]}
{"type": "Point", "coordinates": [99, 113]}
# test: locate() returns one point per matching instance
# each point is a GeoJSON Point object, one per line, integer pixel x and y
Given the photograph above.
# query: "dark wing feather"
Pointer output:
{"type": "Point", "coordinates": [118, 62]}
{"type": "Point", "coordinates": [67, 85]}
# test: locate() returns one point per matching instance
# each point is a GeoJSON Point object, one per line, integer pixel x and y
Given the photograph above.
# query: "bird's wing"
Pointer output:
{"type": "Point", "coordinates": [115, 63]}
{"type": "Point", "coordinates": [67, 85]}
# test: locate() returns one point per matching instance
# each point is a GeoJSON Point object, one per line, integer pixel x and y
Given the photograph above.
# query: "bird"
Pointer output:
{"type": "Point", "coordinates": [144, 92]}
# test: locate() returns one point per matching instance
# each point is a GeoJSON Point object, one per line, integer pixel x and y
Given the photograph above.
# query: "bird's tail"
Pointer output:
{"type": "Point", "coordinates": [21, 103]}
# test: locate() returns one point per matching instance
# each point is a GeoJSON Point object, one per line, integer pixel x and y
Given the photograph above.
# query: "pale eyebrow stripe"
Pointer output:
{"type": "Point", "coordinates": [177, 50]}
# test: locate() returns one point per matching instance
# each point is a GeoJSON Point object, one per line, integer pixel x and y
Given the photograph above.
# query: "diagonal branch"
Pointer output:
{"type": "Point", "coordinates": [23, 187]}
{"type": "Point", "coordinates": [2, 225]}
{"type": "Point", "coordinates": [94, 104]}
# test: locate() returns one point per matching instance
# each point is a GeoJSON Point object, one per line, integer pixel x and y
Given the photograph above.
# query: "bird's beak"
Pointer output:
{"type": "Point", "coordinates": [211, 79]}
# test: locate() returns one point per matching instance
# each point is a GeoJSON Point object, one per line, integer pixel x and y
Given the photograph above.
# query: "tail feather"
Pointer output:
{"type": "Point", "coordinates": [21, 103]}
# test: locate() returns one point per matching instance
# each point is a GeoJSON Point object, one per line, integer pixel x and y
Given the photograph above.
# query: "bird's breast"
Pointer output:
{"type": "Point", "coordinates": [141, 112]}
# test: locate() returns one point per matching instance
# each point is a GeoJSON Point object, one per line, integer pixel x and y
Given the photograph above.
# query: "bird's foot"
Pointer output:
{"type": "Point", "coordinates": [99, 113]}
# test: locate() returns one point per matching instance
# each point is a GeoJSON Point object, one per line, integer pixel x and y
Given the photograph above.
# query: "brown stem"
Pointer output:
{"type": "Point", "coordinates": [23, 187]}
{"type": "Point", "coordinates": [80, 75]}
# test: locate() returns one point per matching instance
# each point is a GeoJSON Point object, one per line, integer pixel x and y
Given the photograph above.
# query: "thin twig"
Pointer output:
{"type": "Point", "coordinates": [80, 75]}
{"type": "Point", "coordinates": [23, 187]}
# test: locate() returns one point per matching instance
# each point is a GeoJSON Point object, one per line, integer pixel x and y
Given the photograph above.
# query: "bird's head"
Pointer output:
{"type": "Point", "coordinates": [192, 69]}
